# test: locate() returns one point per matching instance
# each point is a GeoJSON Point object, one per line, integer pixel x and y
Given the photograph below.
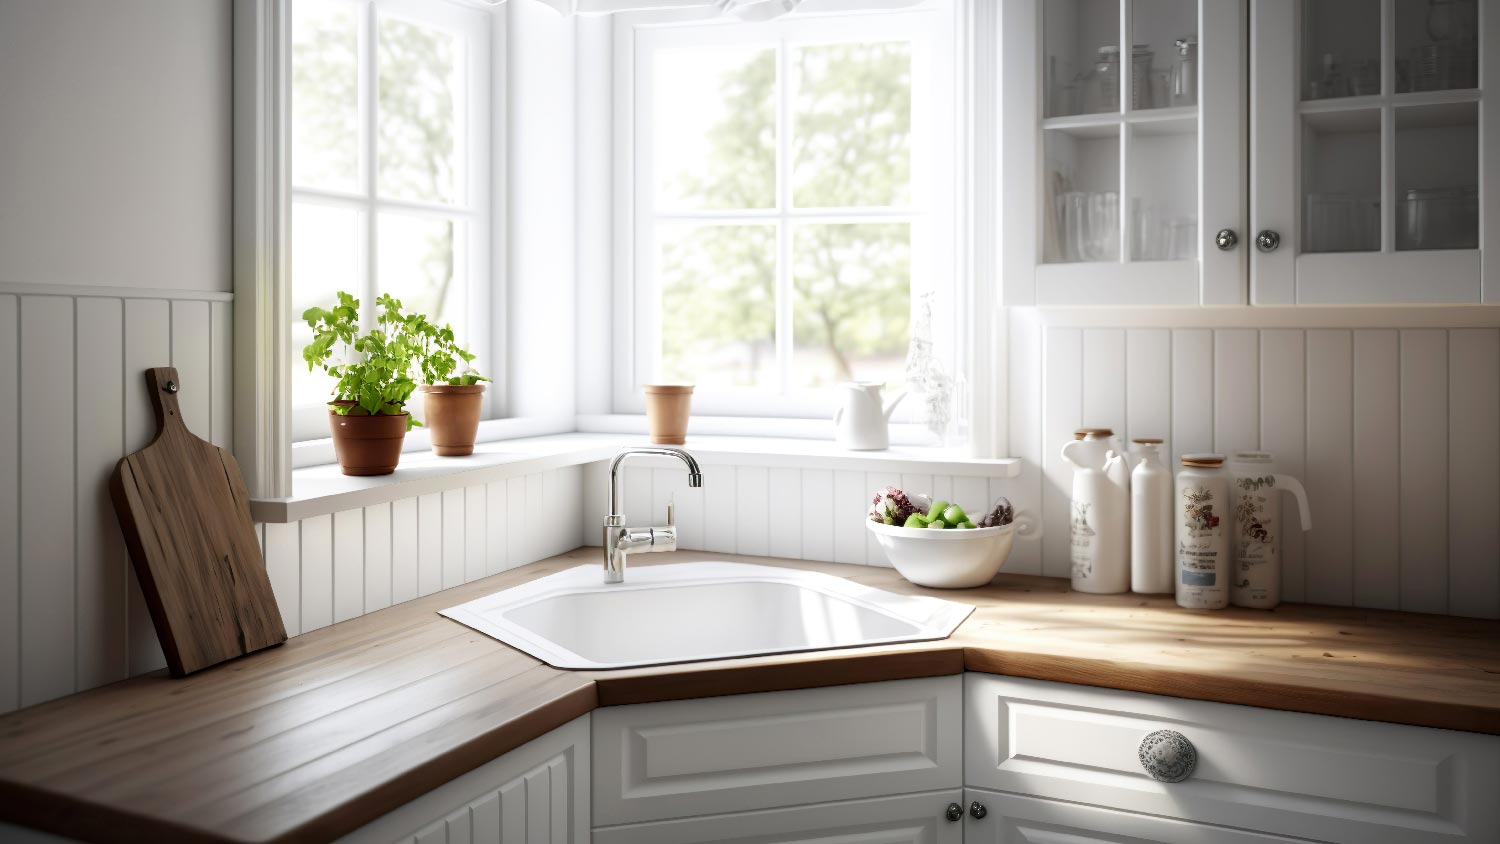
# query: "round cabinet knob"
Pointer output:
{"type": "Point", "coordinates": [1226, 239]}
{"type": "Point", "coordinates": [955, 813]}
{"type": "Point", "coordinates": [1267, 241]}
{"type": "Point", "coordinates": [1168, 756]}
{"type": "Point", "coordinates": [977, 810]}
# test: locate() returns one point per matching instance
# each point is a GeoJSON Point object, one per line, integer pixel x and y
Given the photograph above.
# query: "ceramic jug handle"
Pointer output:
{"type": "Point", "coordinates": [1294, 486]}
{"type": "Point", "coordinates": [1067, 445]}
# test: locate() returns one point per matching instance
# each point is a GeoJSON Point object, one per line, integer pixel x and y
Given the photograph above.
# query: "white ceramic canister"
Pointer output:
{"type": "Point", "coordinates": [1258, 527]}
{"type": "Point", "coordinates": [1151, 538]}
{"type": "Point", "coordinates": [1100, 515]}
{"type": "Point", "coordinates": [1202, 514]}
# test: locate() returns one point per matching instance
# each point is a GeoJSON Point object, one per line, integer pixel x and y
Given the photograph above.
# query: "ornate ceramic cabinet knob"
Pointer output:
{"type": "Point", "coordinates": [1168, 756]}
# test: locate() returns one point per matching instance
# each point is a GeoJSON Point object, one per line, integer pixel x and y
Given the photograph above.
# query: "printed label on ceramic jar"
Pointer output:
{"type": "Point", "coordinates": [1200, 547]}
{"type": "Point", "coordinates": [1082, 540]}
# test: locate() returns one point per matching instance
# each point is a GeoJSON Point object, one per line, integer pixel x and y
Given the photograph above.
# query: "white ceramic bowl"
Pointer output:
{"type": "Point", "coordinates": [945, 559]}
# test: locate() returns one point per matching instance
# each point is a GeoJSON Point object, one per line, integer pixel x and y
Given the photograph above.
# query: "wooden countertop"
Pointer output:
{"type": "Point", "coordinates": [313, 739]}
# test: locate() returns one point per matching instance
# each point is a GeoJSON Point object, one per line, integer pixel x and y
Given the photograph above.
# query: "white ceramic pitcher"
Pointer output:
{"type": "Point", "coordinates": [1258, 528]}
{"type": "Point", "coordinates": [1100, 522]}
{"type": "Point", "coordinates": [862, 422]}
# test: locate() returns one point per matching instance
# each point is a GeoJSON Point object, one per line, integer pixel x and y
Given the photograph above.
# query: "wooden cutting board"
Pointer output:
{"type": "Point", "coordinates": [185, 513]}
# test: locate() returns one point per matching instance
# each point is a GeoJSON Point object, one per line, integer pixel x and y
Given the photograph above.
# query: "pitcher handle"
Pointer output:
{"type": "Point", "coordinates": [1294, 486]}
{"type": "Point", "coordinates": [1065, 456]}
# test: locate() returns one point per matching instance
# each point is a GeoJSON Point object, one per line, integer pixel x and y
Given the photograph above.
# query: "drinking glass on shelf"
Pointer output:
{"type": "Point", "coordinates": [1181, 240]}
{"type": "Point", "coordinates": [1103, 238]}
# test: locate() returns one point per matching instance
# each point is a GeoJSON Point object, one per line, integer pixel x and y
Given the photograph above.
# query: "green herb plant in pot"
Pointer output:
{"type": "Point", "coordinates": [451, 399]}
{"type": "Point", "coordinates": [374, 374]}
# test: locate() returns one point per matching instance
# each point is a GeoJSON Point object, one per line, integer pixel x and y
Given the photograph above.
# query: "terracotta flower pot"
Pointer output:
{"type": "Point", "coordinates": [451, 415]}
{"type": "Point", "coordinates": [367, 445]}
{"type": "Point", "coordinates": [667, 411]}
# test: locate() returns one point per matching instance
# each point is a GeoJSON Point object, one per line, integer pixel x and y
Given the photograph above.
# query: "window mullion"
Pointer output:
{"type": "Point", "coordinates": [784, 224]}
{"type": "Point", "coordinates": [368, 83]}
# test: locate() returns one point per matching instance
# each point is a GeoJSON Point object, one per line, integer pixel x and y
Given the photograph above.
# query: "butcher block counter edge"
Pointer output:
{"type": "Point", "coordinates": [1427, 671]}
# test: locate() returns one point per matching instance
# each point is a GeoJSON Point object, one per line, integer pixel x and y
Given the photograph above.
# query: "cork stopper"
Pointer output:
{"type": "Point", "coordinates": [1147, 441]}
{"type": "Point", "coordinates": [1203, 461]}
{"type": "Point", "coordinates": [1093, 434]}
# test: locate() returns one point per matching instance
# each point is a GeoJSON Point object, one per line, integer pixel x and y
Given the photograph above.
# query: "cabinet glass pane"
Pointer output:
{"type": "Point", "coordinates": [1080, 56]}
{"type": "Point", "coordinates": [1437, 177]}
{"type": "Point", "coordinates": [718, 304]}
{"type": "Point", "coordinates": [421, 104]}
{"type": "Point", "coordinates": [1163, 183]}
{"type": "Point", "coordinates": [1082, 191]}
{"type": "Point", "coordinates": [1436, 45]}
{"type": "Point", "coordinates": [325, 95]}
{"type": "Point", "coordinates": [1340, 48]}
{"type": "Point", "coordinates": [1164, 67]}
{"type": "Point", "coordinates": [714, 128]}
{"type": "Point", "coordinates": [1341, 181]}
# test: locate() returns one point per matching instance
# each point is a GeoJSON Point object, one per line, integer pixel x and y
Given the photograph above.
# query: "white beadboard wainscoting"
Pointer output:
{"type": "Point", "coordinates": [800, 513]}
{"type": "Point", "coordinates": [71, 364]}
{"type": "Point", "coordinates": [334, 567]}
{"type": "Point", "coordinates": [1390, 417]}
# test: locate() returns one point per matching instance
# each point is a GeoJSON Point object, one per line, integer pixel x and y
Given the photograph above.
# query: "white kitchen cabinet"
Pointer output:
{"type": "Point", "coordinates": [1120, 166]}
{"type": "Point", "coordinates": [1009, 819]}
{"type": "Point", "coordinates": [535, 794]}
{"type": "Point", "coordinates": [1286, 773]}
{"type": "Point", "coordinates": [907, 819]}
{"type": "Point", "coordinates": [1368, 175]}
{"type": "Point", "coordinates": [655, 761]}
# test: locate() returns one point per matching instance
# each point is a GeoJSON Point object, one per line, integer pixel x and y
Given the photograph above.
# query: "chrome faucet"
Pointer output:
{"type": "Point", "coordinates": [621, 541]}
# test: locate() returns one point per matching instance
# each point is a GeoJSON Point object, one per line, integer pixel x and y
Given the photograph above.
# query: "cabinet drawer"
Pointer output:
{"type": "Point", "coordinates": [1311, 776]}
{"type": "Point", "coordinates": [744, 752]}
{"type": "Point", "coordinates": [908, 819]}
{"type": "Point", "coordinates": [1028, 820]}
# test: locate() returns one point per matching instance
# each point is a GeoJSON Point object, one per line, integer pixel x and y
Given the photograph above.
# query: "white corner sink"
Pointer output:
{"type": "Point", "coordinates": [685, 612]}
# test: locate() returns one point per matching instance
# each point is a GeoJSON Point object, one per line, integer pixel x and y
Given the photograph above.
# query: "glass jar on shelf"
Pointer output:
{"type": "Point", "coordinates": [1185, 72]}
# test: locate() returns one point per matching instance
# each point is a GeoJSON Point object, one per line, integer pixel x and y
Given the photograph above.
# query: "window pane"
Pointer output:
{"type": "Point", "coordinates": [325, 260]}
{"type": "Point", "coordinates": [715, 128]}
{"type": "Point", "coordinates": [418, 263]}
{"type": "Point", "coordinates": [851, 134]}
{"type": "Point", "coordinates": [421, 100]}
{"type": "Point", "coordinates": [325, 95]}
{"type": "Point", "coordinates": [852, 307]}
{"type": "Point", "coordinates": [718, 304]}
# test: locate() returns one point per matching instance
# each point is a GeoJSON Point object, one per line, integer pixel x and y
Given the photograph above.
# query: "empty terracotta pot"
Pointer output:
{"type": "Point", "coordinates": [667, 410]}
{"type": "Point", "coordinates": [451, 414]}
{"type": "Point", "coordinates": [367, 445]}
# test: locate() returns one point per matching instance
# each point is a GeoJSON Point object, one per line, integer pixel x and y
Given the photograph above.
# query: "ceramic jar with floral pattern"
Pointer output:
{"type": "Point", "coordinates": [1202, 514]}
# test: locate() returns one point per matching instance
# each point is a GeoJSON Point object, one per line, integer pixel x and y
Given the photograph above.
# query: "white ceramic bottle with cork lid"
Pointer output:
{"type": "Point", "coordinates": [1203, 519]}
{"type": "Point", "coordinates": [1100, 518]}
{"type": "Point", "coordinates": [1150, 520]}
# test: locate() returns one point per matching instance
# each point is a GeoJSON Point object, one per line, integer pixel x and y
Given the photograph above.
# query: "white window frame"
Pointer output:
{"type": "Point", "coordinates": [937, 139]}
{"type": "Point", "coordinates": [472, 207]}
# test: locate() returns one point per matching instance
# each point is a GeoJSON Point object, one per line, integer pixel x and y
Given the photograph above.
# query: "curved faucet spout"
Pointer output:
{"type": "Point", "coordinates": [619, 541]}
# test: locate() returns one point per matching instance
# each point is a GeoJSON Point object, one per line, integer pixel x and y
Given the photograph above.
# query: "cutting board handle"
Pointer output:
{"type": "Point", "coordinates": [162, 384]}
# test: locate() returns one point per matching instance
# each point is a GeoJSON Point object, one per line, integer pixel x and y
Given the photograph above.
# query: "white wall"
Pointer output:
{"type": "Point", "coordinates": [115, 132]}
{"type": "Point", "coordinates": [1390, 418]}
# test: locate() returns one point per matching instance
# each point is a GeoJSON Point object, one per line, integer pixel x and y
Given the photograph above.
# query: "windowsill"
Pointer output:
{"type": "Point", "coordinates": [319, 490]}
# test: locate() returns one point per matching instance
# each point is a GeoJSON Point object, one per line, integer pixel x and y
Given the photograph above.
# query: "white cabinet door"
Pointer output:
{"type": "Point", "coordinates": [1025, 820]}
{"type": "Point", "coordinates": [908, 819]}
{"type": "Point", "coordinates": [759, 751]}
{"type": "Point", "coordinates": [1367, 164]}
{"type": "Point", "coordinates": [1286, 773]}
{"type": "Point", "coordinates": [1117, 199]}
{"type": "Point", "coordinates": [535, 794]}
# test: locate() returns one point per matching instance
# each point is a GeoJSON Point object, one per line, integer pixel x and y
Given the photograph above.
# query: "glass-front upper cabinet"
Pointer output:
{"type": "Point", "coordinates": [1369, 177]}
{"type": "Point", "coordinates": [1131, 116]}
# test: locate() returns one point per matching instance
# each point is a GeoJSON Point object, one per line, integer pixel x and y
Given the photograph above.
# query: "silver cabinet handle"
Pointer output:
{"type": "Point", "coordinates": [977, 810]}
{"type": "Point", "coordinates": [1267, 241]}
{"type": "Point", "coordinates": [1168, 756]}
{"type": "Point", "coordinates": [1226, 240]}
{"type": "Point", "coordinates": [954, 813]}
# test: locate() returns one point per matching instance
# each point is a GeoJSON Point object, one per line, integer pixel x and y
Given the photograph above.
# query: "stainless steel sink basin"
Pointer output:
{"type": "Point", "coordinates": [695, 611]}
